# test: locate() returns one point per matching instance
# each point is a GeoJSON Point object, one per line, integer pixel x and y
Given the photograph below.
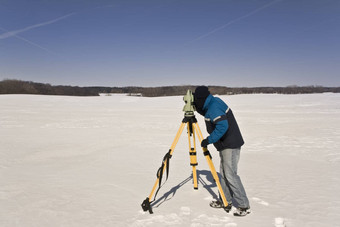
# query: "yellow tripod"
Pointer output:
{"type": "Point", "coordinates": [192, 127]}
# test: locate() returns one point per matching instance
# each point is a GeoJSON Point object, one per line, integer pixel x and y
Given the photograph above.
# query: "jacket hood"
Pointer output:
{"type": "Point", "coordinates": [206, 103]}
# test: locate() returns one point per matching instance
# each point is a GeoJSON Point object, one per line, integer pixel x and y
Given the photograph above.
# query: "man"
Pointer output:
{"type": "Point", "coordinates": [227, 139]}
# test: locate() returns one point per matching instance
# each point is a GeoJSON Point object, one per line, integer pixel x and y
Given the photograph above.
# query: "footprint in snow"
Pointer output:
{"type": "Point", "coordinates": [185, 211]}
{"type": "Point", "coordinates": [260, 201]}
{"type": "Point", "coordinates": [214, 220]}
{"type": "Point", "coordinates": [143, 220]}
{"type": "Point", "coordinates": [280, 222]}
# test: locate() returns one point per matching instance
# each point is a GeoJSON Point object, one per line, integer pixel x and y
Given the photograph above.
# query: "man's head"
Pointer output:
{"type": "Point", "coordinates": [200, 95]}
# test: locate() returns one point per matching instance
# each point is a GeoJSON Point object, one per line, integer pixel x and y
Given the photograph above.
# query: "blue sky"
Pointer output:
{"type": "Point", "coordinates": [171, 42]}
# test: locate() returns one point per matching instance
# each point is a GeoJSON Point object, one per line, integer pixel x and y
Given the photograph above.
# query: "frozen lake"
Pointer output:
{"type": "Point", "coordinates": [91, 161]}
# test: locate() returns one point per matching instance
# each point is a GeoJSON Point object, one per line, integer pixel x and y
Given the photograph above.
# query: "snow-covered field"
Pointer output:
{"type": "Point", "coordinates": [91, 161]}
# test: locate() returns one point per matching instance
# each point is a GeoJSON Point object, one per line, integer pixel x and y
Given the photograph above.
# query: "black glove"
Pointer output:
{"type": "Point", "coordinates": [205, 143]}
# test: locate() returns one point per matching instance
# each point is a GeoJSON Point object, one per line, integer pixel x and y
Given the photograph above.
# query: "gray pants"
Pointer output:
{"type": "Point", "coordinates": [231, 182]}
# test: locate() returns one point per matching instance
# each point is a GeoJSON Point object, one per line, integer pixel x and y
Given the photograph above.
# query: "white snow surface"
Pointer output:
{"type": "Point", "coordinates": [91, 161]}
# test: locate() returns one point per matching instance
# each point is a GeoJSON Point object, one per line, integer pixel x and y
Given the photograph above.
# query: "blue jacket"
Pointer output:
{"type": "Point", "coordinates": [221, 124]}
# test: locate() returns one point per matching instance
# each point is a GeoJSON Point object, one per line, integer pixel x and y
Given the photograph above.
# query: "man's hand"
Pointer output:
{"type": "Point", "coordinates": [205, 143]}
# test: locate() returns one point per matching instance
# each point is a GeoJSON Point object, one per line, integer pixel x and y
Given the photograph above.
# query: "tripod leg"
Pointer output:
{"type": "Point", "coordinates": [192, 152]}
{"type": "Point", "coordinates": [210, 163]}
{"type": "Point", "coordinates": [173, 145]}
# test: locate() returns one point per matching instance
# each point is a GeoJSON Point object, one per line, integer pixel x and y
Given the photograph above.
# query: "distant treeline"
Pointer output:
{"type": "Point", "coordinates": [28, 87]}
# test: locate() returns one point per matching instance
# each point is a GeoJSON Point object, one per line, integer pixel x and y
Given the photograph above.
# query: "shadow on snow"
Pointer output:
{"type": "Point", "coordinates": [204, 178]}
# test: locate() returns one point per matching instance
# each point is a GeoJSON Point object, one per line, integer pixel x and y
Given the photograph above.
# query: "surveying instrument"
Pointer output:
{"type": "Point", "coordinates": [190, 122]}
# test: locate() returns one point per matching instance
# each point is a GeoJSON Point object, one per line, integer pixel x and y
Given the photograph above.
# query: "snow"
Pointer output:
{"type": "Point", "coordinates": [91, 161]}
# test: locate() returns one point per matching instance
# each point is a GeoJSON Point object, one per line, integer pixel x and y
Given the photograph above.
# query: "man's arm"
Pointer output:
{"type": "Point", "coordinates": [221, 127]}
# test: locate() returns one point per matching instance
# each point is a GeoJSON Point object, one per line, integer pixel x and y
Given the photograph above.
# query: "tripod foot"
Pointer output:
{"type": "Point", "coordinates": [147, 206]}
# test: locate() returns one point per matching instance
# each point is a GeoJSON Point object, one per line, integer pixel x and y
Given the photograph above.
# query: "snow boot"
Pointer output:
{"type": "Point", "coordinates": [216, 204]}
{"type": "Point", "coordinates": [219, 204]}
{"type": "Point", "coordinates": [240, 212]}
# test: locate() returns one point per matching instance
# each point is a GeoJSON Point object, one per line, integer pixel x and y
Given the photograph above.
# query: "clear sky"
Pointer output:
{"type": "Point", "coordinates": [171, 42]}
